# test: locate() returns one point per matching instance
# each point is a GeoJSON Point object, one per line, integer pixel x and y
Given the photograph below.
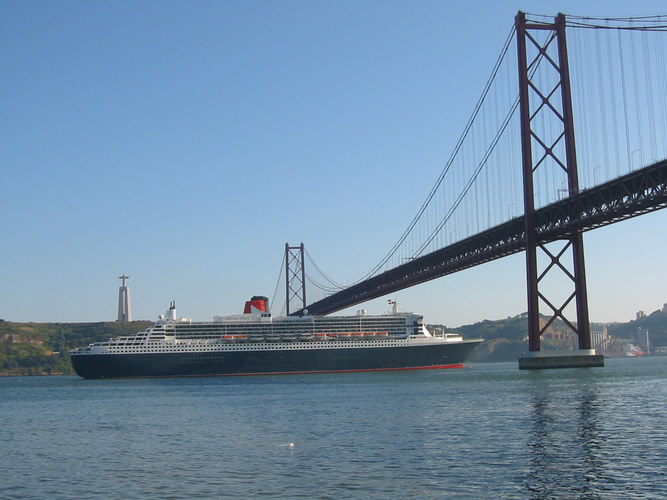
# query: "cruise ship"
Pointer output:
{"type": "Point", "coordinates": [255, 343]}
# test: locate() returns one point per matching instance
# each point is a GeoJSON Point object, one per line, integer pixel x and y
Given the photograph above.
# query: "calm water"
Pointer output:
{"type": "Point", "coordinates": [487, 431]}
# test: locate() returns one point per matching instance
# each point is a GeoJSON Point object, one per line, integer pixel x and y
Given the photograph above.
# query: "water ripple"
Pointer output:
{"type": "Point", "coordinates": [487, 432]}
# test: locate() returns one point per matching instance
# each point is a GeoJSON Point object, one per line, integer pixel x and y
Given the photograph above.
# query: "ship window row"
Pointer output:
{"type": "Point", "coordinates": [218, 348]}
{"type": "Point", "coordinates": [349, 328]}
{"type": "Point", "coordinates": [318, 325]}
{"type": "Point", "coordinates": [293, 323]}
{"type": "Point", "coordinates": [199, 342]}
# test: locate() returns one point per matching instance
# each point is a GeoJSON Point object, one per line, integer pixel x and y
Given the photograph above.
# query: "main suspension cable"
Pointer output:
{"type": "Point", "coordinates": [450, 162]}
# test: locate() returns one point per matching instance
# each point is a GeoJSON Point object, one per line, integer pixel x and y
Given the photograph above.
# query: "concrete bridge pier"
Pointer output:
{"type": "Point", "coordinates": [540, 360]}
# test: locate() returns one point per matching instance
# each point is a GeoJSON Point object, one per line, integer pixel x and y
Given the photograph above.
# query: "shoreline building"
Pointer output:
{"type": "Point", "coordinates": [599, 338]}
{"type": "Point", "coordinates": [124, 309]}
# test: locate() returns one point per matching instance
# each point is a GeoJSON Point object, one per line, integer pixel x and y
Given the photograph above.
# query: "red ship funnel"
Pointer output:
{"type": "Point", "coordinates": [257, 302]}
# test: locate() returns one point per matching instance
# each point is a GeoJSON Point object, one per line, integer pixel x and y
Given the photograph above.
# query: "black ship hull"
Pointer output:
{"type": "Point", "coordinates": [273, 361]}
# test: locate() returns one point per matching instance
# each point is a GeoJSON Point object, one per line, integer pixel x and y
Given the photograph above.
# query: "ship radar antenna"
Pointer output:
{"type": "Point", "coordinates": [394, 305]}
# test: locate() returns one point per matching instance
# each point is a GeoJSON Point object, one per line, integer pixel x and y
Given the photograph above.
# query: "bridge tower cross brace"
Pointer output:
{"type": "Point", "coordinates": [295, 277]}
{"type": "Point", "coordinates": [561, 152]}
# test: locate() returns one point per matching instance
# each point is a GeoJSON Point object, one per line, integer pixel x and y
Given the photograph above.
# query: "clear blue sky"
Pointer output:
{"type": "Point", "coordinates": [184, 143]}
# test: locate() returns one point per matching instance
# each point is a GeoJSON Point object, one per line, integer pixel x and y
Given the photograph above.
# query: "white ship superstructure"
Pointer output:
{"type": "Point", "coordinates": [255, 332]}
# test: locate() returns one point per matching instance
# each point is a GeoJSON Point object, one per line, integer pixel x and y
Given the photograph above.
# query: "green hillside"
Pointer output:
{"type": "Point", "coordinates": [507, 339]}
{"type": "Point", "coordinates": [655, 323]}
{"type": "Point", "coordinates": [41, 348]}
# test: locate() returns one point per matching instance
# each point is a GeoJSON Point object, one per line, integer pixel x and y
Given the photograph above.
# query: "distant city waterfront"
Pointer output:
{"type": "Point", "coordinates": [484, 431]}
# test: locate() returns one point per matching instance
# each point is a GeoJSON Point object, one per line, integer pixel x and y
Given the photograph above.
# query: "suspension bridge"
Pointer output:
{"type": "Point", "coordinates": [569, 135]}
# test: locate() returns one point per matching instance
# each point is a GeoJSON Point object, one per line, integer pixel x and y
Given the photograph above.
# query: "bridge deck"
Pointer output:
{"type": "Point", "coordinates": [636, 193]}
